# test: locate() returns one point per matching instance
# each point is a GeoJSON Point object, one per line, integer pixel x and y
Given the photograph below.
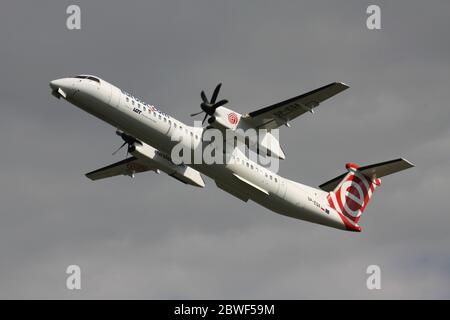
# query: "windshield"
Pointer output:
{"type": "Point", "coordinates": [89, 78]}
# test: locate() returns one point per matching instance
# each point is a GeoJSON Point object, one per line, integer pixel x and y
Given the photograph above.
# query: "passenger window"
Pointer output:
{"type": "Point", "coordinates": [276, 180]}
{"type": "Point", "coordinates": [132, 102]}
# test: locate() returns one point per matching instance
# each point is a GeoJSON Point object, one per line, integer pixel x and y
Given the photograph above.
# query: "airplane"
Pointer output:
{"type": "Point", "coordinates": [147, 132]}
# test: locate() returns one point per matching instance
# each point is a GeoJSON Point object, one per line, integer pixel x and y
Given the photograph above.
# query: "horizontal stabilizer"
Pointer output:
{"type": "Point", "coordinates": [372, 171]}
{"type": "Point", "coordinates": [382, 169]}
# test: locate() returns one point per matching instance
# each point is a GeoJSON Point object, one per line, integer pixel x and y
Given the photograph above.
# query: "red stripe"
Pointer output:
{"type": "Point", "coordinates": [347, 224]}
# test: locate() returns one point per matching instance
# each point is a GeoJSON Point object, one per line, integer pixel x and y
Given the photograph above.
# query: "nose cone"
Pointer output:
{"type": "Point", "coordinates": [62, 87]}
{"type": "Point", "coordinates": [54, 84]}
{"type": "Point", "coordinates": [64, 83]}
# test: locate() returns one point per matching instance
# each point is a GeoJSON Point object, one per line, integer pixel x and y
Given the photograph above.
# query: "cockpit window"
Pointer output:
{"type": "Point", "coordinates": [94, 79]}
{"type": "Point", "coordinates": [88, 77]}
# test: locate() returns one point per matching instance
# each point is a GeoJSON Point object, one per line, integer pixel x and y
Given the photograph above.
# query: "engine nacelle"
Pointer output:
{"type": "Point", "coordinates": [163, 162]}
{"type": "Point", "coordinates": [225, 118]}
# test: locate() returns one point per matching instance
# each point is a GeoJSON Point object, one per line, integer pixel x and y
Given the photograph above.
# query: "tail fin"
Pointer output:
{"type": "Point", "coordinates": [350, 193]}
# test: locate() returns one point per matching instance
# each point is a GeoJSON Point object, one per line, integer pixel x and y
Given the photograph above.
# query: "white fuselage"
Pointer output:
{"type": "Point", "coordinates": [240, 176]}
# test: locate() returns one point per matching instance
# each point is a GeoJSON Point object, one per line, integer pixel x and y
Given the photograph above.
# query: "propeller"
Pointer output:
{"type": "Point", "coordinates": [128, 140]}
{"type": "Point", "coordinates": [210, 106]}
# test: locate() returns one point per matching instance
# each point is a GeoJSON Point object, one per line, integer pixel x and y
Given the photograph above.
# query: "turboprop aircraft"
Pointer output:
{"type": "Point", "coordinates": [148, 133]}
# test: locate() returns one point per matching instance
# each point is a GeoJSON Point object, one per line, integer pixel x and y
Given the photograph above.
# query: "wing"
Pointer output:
{"type": "Point", "coordinates": [280, 113]}
{"type": "Point", "coordinates": [128, 167]}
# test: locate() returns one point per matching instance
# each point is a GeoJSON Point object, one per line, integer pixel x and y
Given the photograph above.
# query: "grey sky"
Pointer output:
{"type": "Point", "coordinates": [153, 237]}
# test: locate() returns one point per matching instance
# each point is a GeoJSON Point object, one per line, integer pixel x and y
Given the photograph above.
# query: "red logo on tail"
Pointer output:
{"type": "Point", "coordinates": [352, 195]}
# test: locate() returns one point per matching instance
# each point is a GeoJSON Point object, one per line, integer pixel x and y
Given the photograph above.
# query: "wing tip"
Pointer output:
{"type": "Point", "coordinates": [90, 176]}
{"type": "Point", "coordinates": [342, 84]}
{"type": "Point", "coordinates": [408, 163]}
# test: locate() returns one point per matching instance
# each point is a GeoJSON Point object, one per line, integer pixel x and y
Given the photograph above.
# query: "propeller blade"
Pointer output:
{"type": "Point", "coordinates": [119, 148]}
{"type": "Point", "coordinates": [206, 115]}
{"type": "Point", "coordinates": [204, 98]}
{"type": "Point", "coordinates": [209, 107]}
{"type": "Point", "coordinates": [196, 114]}
{"type": "Point", "coordinates": [205, 107]}
{"type": "Point", "coordinates": [219, 104]}
{"type": "Point", "coordinates": [215, 93]}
